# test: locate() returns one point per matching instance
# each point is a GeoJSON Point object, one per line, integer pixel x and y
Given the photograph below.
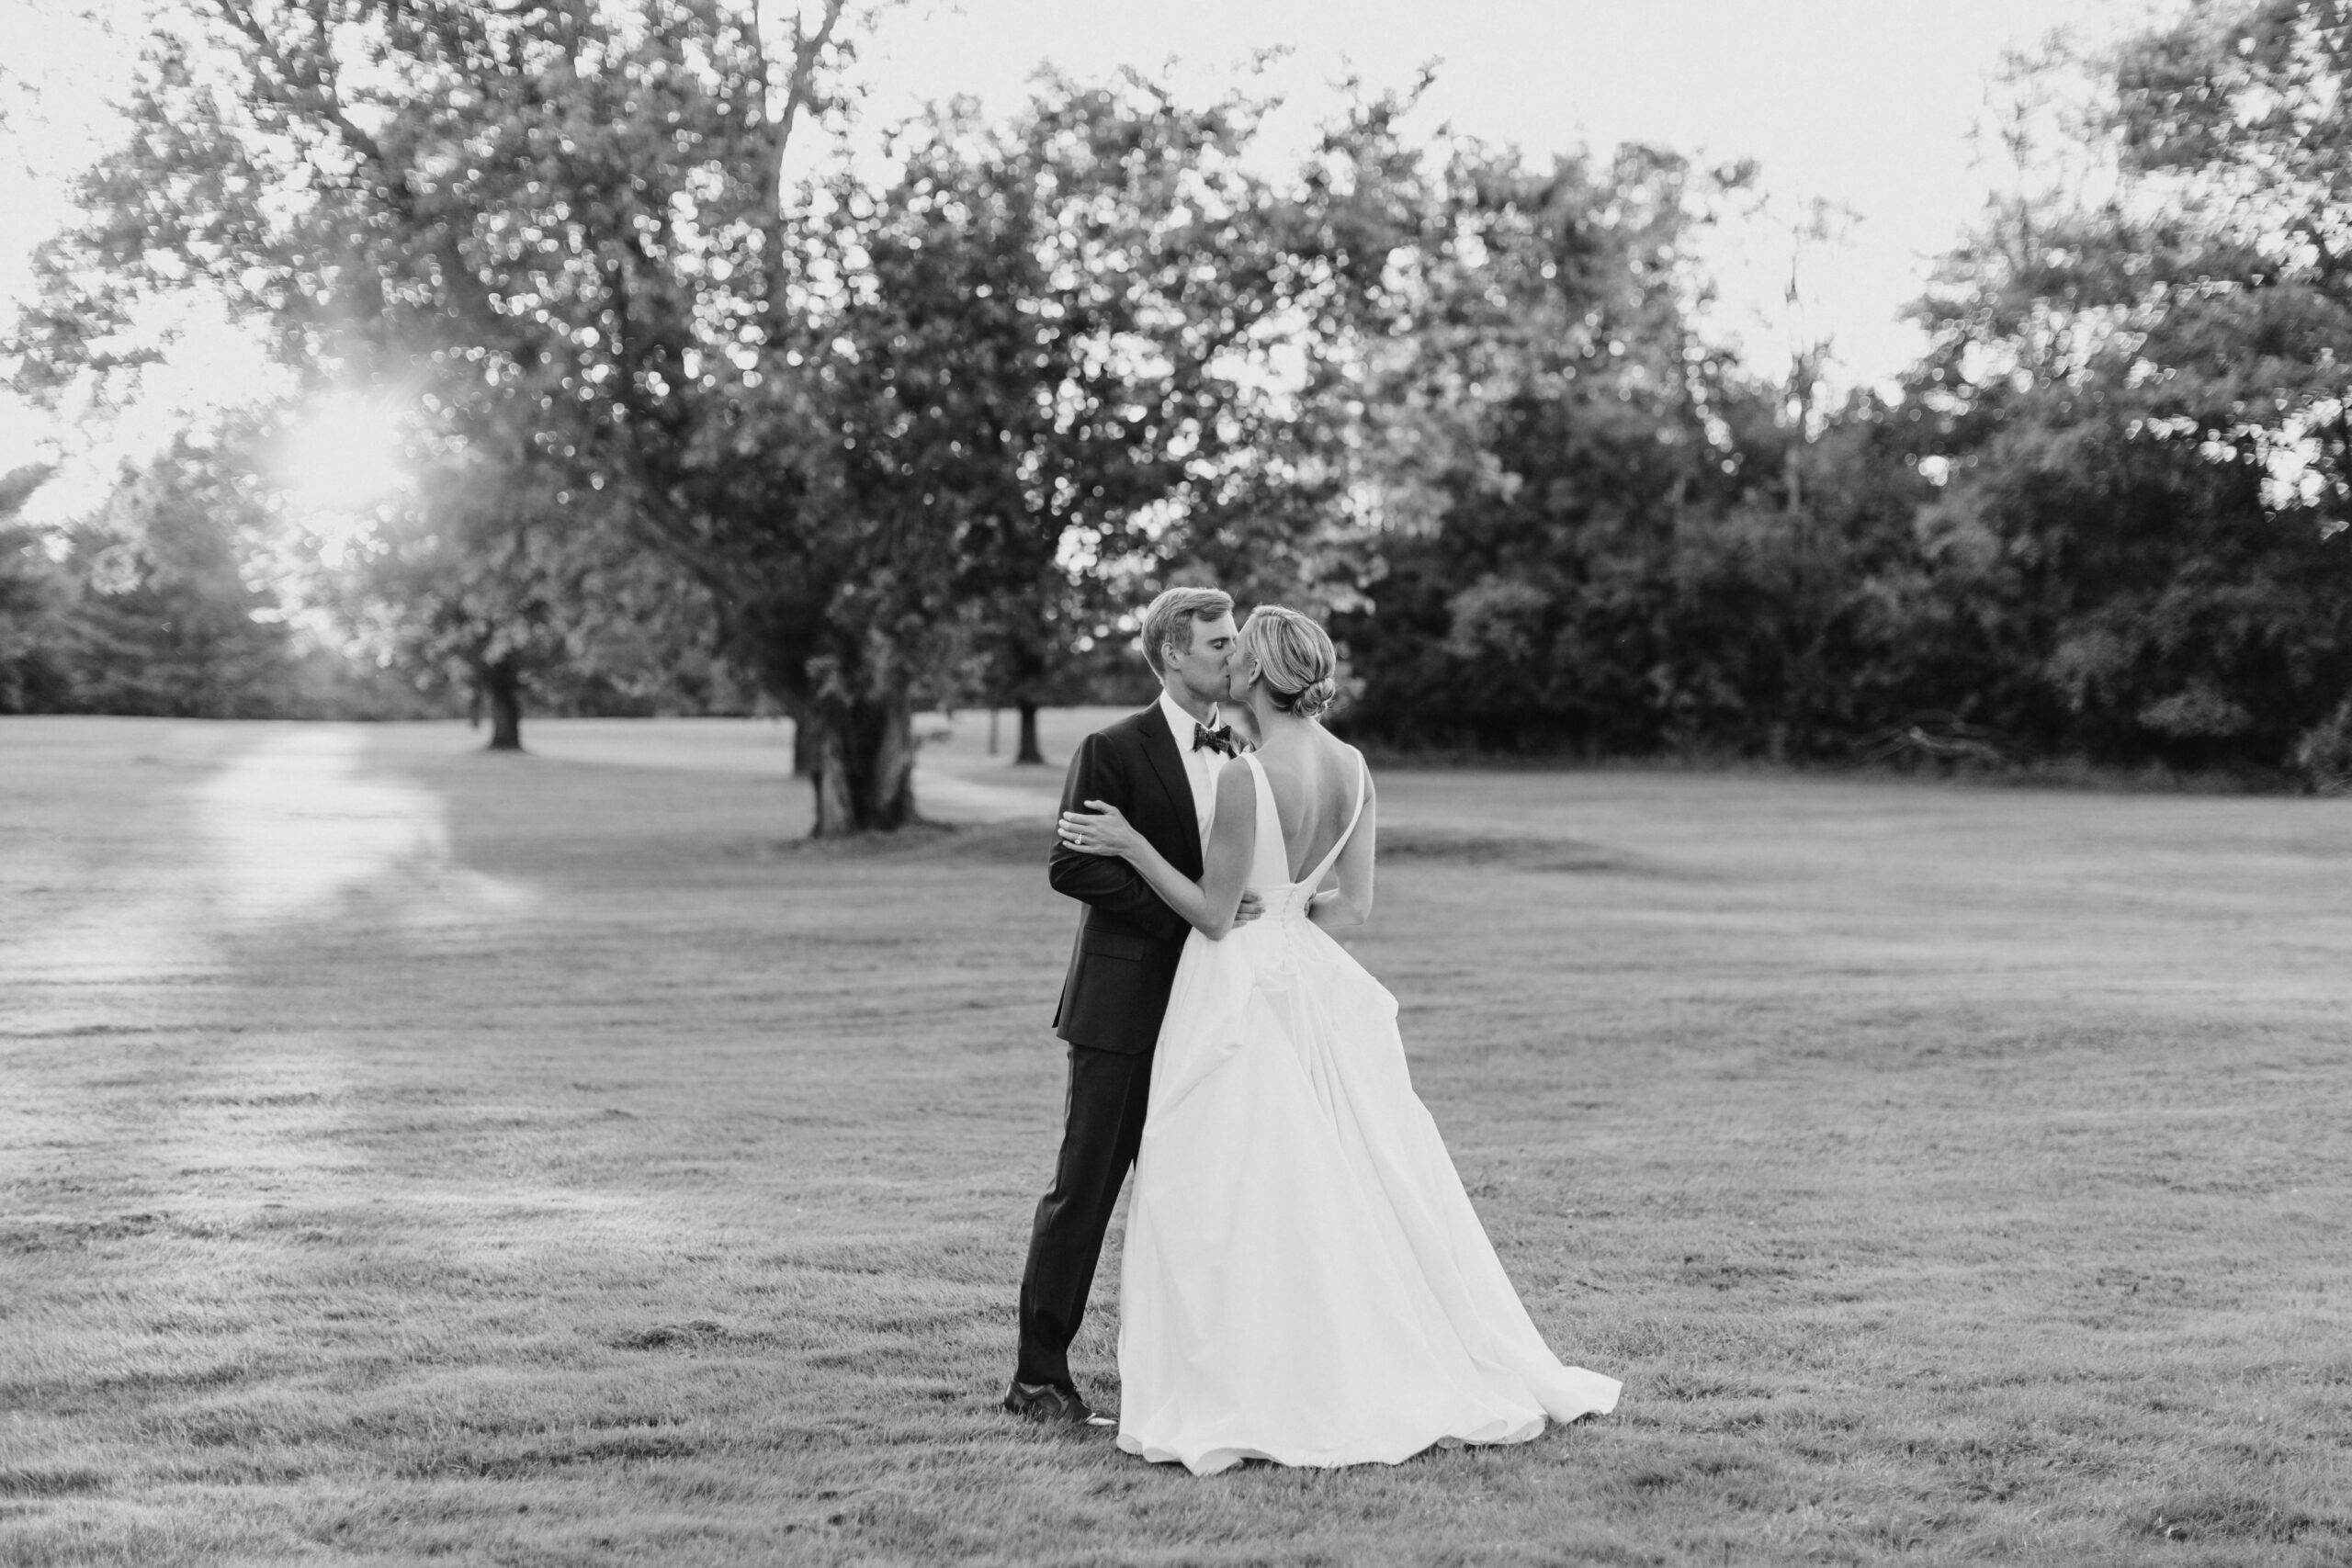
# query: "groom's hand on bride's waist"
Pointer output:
{"type": "Point", "coordinates": [1249, 909]}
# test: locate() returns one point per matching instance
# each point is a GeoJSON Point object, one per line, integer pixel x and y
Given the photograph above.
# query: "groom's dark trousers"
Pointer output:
{"type": "Point", "coordinates": [1120, 972]}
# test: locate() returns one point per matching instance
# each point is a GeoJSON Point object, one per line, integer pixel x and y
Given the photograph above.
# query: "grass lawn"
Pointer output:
{"type": "Point", "coordinates": [409, 1152]}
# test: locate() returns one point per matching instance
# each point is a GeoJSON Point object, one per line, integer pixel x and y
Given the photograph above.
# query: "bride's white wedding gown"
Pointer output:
{"type": "Point", "coordinates": [1304, 1279]}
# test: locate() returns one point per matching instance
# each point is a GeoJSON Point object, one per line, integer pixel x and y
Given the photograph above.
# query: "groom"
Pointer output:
{"type": "Point", "coordinates": [1159, 767]}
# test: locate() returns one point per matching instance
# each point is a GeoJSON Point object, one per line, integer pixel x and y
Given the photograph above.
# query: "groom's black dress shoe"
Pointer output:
{"type": "Point", "coordinates": [1056, 1406]}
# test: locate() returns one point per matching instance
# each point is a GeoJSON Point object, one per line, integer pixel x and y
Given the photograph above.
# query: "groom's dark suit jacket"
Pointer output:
{"type": "Point", "coordinates": [1125, 960]}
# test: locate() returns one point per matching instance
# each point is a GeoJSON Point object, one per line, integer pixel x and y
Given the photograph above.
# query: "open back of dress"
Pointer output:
{"type": "Point", "coordinates": [1270, 863]}
{"type": "Point", "coordinates": [1269, 811]}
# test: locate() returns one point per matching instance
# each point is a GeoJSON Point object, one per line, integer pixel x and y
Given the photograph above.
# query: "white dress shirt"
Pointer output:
{"type": "Point", "coordinates": [1201, 767]}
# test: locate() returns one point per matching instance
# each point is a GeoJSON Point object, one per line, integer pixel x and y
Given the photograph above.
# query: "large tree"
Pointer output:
{"type": "Point", "coordinates": [1041, 349]}
{"type": "Point", "coordinates": [1084, 309]}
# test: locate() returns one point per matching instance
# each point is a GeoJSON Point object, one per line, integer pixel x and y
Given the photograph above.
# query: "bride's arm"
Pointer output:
{"type": "Point", "coordinates": [1209, 903]}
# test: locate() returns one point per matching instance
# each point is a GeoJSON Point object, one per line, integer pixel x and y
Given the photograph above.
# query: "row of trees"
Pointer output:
{"type": "Point", "coordinates": [877, 440]}
{"type": "Point", "coordinates": [2135, 406]}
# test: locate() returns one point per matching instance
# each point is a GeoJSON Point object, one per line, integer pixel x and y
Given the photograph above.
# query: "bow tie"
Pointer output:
{"type": "Point", "coordinates": [1217, 739]}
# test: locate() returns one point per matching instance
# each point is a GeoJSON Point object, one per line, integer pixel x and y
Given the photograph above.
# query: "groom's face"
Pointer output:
{"type": "Point", "coordinates": [1203, 668]}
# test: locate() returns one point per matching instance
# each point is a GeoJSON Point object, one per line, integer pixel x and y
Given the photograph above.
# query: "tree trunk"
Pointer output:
{"type": "Point", "coordinates": [1028, 751]}
{"type": "Point", "coordinates": [1804, 378]}
{"type": "Point", "coordinates": [864, 754]}
{"type": "Point", "coordinates": [804, 748]}
{"type": "Point", "coordinates": [503, 682]}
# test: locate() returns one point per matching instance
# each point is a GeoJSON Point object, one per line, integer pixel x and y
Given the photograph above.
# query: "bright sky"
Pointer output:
{"type": "Point", "coordinates": [1868, 103]}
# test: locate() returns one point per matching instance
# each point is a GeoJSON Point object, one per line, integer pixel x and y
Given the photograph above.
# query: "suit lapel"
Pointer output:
{"type": "Point", "coordinates": [1159, 747]}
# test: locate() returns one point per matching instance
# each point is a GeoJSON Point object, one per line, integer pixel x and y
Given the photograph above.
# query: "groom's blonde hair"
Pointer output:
{"type": "Point", "coordinates": [1177, 609]}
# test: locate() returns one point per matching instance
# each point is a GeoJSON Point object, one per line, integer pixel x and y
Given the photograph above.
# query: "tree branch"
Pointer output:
{"type": "Point", "coordinates": [807, 48]}
{"type": "Point", "coordinates": [319, 98]}
{"type": "Point", "coordinates": [320, 102]}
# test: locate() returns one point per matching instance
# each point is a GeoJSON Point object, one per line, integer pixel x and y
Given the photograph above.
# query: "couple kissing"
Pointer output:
{"type": "Point", "coordinates": [1303, 1279]}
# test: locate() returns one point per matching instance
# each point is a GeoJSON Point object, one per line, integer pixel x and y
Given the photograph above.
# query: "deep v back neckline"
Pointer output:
{"type": "Point", "coordinates": [1273, 811]}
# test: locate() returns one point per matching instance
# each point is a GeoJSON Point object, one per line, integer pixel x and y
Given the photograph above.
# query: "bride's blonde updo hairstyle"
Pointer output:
{"type": "Point", "coordinates": [1295, 658]}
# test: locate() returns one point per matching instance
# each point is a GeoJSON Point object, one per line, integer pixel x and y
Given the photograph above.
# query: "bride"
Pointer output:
{"type": "Point", "coordinates": [1304, 1279]}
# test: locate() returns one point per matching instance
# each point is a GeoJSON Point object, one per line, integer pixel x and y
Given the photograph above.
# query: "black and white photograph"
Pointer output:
{"type": "Point", "coordinates": [1066, 784]}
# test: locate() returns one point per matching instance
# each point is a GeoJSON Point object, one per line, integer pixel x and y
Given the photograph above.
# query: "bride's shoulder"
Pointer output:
{"type": "Point", "coordinates": [1354, 773]}
{"type": "Point", "coordinates": [1236, 789]}
{"type": "Point", "coordinates": [1345, 755]}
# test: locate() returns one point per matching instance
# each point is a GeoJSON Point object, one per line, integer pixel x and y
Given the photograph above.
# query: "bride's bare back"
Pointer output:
{"type": "Point", "coordinates": [1314, 777]}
